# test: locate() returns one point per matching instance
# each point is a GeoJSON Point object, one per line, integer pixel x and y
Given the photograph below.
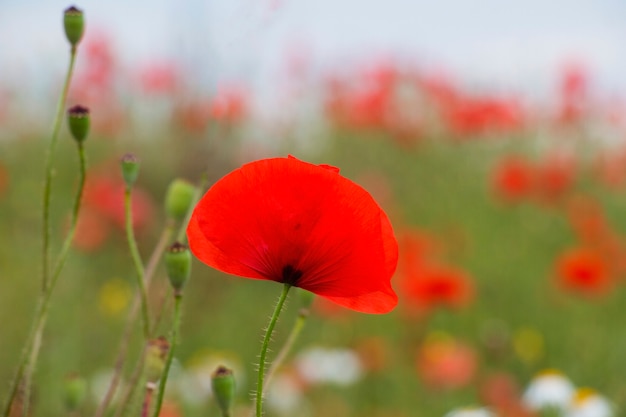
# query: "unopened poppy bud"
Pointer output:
{"type": "Point", "coordinates": [78, 121]}
{"type": "Point", "coordinates": [156, 357]}
{"type": "Point", "coordinates": [223, 386]}
{"type": "Point", "coordinates": [178, 198]}
{"type": "Point", "coordinates": [74, 391]}
{"type": "Point", "coordinates": [130, 168]}
{"type": "Point", "coordinates": [74, 24]}
{"type": "Point", "coordinates": [178, 265]}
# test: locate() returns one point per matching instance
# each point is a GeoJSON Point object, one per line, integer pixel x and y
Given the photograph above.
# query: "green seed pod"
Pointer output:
{"type": "Point", "coordinates": [130, 168]}
{"type": "Point", "coordinates": [78, 121]}
{"type": "Point", "coordinates": [74, 25]}
{"type": "Point", "coordinates": [223, 386]}
{"type": "Point", "coordinates": [178, 198]}
{"type": "Point", "coordinates": [178, 265]}
{"type": "Point", "coordinates": [74, 391]}
{"type": "Point", "coordinates": [156, 357]}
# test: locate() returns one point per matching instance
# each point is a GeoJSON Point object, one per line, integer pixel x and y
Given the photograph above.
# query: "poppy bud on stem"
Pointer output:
{"type": "Point", "coordinates": [74, 25]}
{"type": "Point", "coordinates": [130, 169]}
{"type": "Point", "coordinates": [178, 265]}
{"type": "Point", "coordinates": [179, 198]}
{"type": "Point", "coordinates": [223, 387]}
{"type": "Point", "coordinates": [74, 391]}
{"type": "Point", "coordinates": [78, 120]}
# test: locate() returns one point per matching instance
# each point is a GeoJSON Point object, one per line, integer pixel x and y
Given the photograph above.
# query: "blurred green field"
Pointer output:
{"type": "Point", "coordinates": [519, 322]}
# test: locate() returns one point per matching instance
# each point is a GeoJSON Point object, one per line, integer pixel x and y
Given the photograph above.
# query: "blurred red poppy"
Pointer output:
{"type": "Point", "coordinates": [438, 286]}
{"type": "Point", "coordinates": [296, 223]}
{"type": "Point", "coordinates": [584, 270]}
{"type": "Point", "coordinates": [513, 178]}
{"type": "Point", "coordinates": [446, 363]}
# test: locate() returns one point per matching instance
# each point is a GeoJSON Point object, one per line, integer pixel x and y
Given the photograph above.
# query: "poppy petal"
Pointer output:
{"type": "Point", "coordinates": [289, 221]}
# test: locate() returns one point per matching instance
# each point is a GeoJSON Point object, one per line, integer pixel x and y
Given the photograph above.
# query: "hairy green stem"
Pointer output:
{"type": "Point", "coordinates": [178, 297]}
{"type": "Point", "coordinates": [265, 345]}
{"type": "Point", "coordinates": [132, 244]}
{"type": "Point", "coordinates": [284, 351]}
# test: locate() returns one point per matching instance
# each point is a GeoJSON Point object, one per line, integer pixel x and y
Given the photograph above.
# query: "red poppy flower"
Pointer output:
{"type": "Point", "coordinates": [513, 178]}
{"type": "Point", "coordinates": [584, 270]}
{"type": "Point", "coordinates": [296, 223]}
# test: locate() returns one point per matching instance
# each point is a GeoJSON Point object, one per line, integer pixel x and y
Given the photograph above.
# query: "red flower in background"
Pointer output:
{"type": "Point", "coordinates": [103, 208]}
{"type": "Point", "coordinates": [513, 178]}
{"type": "Point", "coordinates": [438, 286]}
{"type": "Point", "coordinates": [446, 363]}
{"type": "Point", "coordinates": [296, 223]}
{"type": "Point", "coordinates": [230, 105]}
{"type": "Point", "coordinates": [584, 270]}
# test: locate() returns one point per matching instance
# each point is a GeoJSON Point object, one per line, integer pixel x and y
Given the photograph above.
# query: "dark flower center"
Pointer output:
{"type": "Point", "coordinates": [291, 275]}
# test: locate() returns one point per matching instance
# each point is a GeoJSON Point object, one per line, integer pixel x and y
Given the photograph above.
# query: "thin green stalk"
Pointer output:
{"type": "Point", "coordinates": [178, 297]}
{"type": "Point", "coordinates": [41, 320]}
{"type": "Point", "coordinates": [162, 243]}
{"type": "Point", "coordinates": [56, 127]}
{"type": "Point", "coordinates": [132, 244]}
{"type": "Point", "coordinates": [284, 351]}
{"type": "Point", "coordinates": [266, 342]}
{"type": "Point", "coordinates": [30, 354]}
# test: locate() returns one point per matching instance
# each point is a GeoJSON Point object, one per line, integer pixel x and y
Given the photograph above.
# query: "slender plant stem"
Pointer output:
{"type": "Point", "coordinates": [178, 297]}
{"type": "Point", "coordinates": [133, 382]}
{"type": "Point", "coordinates": [164, 239]}
{"type": "Point", "coordinates": [46, 234]}
{"type": "Point", "coordinates": [284, 351]}
{"type": "Point", "coordinates": [41, 320]}
{"type": "Point", "coordinates": [56, 127]}
{"type": "Point", "coordinates": [266, 342]}
{"type": "Point", "coordinates": [140, 272]}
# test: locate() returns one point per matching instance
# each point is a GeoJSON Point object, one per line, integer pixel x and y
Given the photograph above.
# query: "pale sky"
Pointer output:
{"type": "Point", "coordinates": [519, 43]}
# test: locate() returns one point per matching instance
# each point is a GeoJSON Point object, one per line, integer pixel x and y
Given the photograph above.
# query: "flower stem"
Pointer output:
{"type": "Point", "coordinates": [266, 342]}
{"type": "Point", "coordinates": [162, 243]}
{"type": "Point", "coordinates": [170, 355]}
{"type": "Point", "coordinates": [46, 233]}
{"type": "Point", "coordinates": [30, 354]}
{"type": "Point", "coordinates": [284, 351]}
{"type": "Point", "coordinates": [132, 244]}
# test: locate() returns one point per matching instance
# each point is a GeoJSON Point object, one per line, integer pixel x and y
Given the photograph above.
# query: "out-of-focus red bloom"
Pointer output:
{"type": "Point", "coordinates": [555, 176]}
{"type": "Point", "coordinates": [574, 90]}
{"type": "Point", "coordinates": [301, 224]}
{"type": "Point", "coordinates": [583, 270]}
{"type": "Point", "coordinates": [513, 178]}
{"type": "Point", "coordinates": [230, 105]}
{"type": "Point", "coordinates": [476, 116]}
{"type": "Point", "coordinates": [159, 78]}
{"type": "Point", "coordinates": [437, 285]}
{"type": "Point", "coordinates": [446, 363]}
{"type": "Point", "coordinates": [92, 230]}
